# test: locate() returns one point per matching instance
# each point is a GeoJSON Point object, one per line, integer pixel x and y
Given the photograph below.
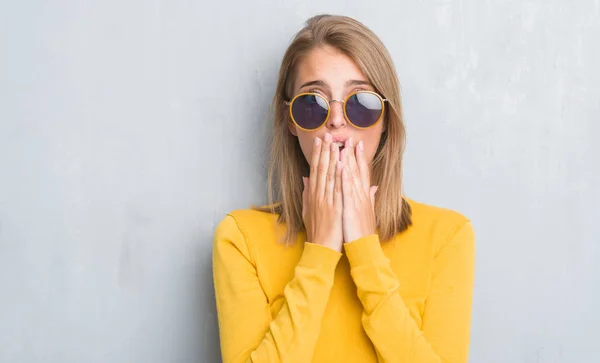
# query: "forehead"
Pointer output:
{"type": "Point", "coordinates": [329, 65]}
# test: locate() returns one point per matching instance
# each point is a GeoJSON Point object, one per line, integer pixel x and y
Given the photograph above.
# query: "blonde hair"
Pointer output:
{"type": "Point", "coordinates": [287, 163]}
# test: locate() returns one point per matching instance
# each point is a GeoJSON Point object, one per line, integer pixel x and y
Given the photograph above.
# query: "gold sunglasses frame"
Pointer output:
{"type": "Point", "coordinates": [291, 102]}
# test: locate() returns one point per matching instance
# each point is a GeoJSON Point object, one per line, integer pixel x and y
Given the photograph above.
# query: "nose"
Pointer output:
{"type": "Point", "coordinates": [336, 114]}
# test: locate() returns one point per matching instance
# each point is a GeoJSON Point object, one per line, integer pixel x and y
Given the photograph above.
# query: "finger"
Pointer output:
{"type": "Point", "coordinates": [353, 167]}
{"type": "Point", "coordinates": [338, 198]}
{"type": "Point", "coordinates": [333, 159]}
{"type": "Point", "coordinates": [360, 193]}
{"type": "Point", "coordinates": [314, 164]}
{"type": "Point", "coordinates": [347, 188]}
{"type": "Point", "coordinates": [345, 156]}
{"type": "Point", "coordinates": [323, 167]}
{"type": "Point", "coordinates": [346, 151]}
{"type": "Point", "coordinates": [363, 166]}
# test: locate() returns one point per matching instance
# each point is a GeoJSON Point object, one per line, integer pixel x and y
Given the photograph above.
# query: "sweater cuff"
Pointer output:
{"type": "Point", "coordinates": [319, 257]}
{"type": "Point", "coordinates": [364, 250]}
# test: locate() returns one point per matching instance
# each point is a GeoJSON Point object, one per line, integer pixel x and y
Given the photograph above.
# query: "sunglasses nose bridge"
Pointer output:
{"type": "Point", "coordinates": [336, 114]}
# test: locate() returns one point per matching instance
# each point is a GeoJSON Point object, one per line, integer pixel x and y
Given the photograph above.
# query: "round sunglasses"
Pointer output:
{"type": "Point", "coordinates": [363, 109]}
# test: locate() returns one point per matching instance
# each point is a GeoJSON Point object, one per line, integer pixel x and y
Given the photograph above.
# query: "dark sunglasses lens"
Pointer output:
{"type": "Point", "coordinates": [309, 111]}
{"type": "Point", "coordinates": [364, 109]}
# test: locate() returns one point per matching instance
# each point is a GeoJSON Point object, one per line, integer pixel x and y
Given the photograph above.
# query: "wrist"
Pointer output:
{"type": "Point", "coordinates": [337, 248]}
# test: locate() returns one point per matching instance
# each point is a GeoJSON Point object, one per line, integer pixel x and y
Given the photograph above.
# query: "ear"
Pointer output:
{"type": "Point", "coordinates": [292, 128]}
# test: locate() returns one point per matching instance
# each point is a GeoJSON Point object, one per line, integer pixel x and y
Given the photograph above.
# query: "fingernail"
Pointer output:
{"type": "Point", "coordinates": [327, 137]}
{"type": "Point", "coordinates": [351, 142]}
{"type": "Point", "coordinates": [317, 141]}
{"type": "Point", "coordinates": [360, 145]}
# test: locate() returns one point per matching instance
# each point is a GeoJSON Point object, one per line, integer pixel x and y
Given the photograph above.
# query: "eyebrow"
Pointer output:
{"type": "Point", "coordinates": [352, 82]}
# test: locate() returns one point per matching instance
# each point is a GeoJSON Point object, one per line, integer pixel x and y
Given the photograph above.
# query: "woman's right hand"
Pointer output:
{"type": "Point", "coordinates": [322, 196]}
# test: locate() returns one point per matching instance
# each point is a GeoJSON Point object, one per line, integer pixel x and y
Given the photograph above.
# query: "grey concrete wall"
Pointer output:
{"type": "Point", "coordinates": [128, 129]}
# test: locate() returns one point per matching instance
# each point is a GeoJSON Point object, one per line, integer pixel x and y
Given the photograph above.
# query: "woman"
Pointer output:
{"type": "Point", "coordinates": [342, 268]}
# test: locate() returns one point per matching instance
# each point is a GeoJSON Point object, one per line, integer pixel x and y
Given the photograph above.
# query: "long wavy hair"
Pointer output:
{"type": "Point", "coordinates": [287, 163]}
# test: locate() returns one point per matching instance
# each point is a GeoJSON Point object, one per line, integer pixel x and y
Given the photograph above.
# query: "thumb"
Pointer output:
{"type": "Point", "coordinates": [304, 193]}
{"type": "Point", "coordinates": [373, 191]}
{"type": "Point", "coordinates": [305, 205]}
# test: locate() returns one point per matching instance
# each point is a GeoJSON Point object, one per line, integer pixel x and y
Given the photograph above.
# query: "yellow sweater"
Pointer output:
{"type": "Point", "coordinates": [404, 301]}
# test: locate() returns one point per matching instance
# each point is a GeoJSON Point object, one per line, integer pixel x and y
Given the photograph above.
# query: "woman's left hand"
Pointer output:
{"type": "Point", "coordinates": [358, 215]}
